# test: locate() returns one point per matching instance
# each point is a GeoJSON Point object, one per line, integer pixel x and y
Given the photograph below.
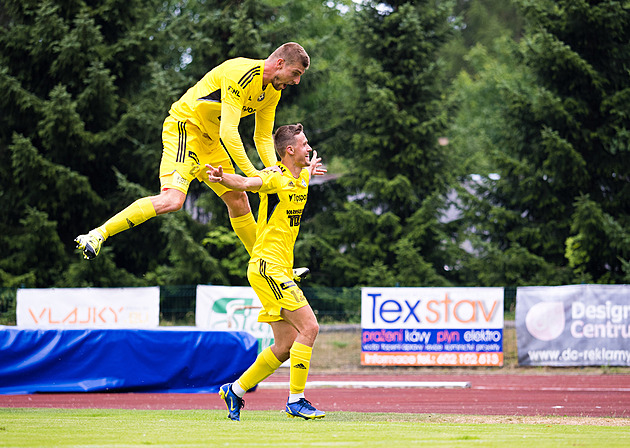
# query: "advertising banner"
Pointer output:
{"type": "Point", "coordinates": [432, 326]}
{"type": "Point", "coordinates": [573, 325]}
{"type": "Point", "coordinates": [231, 308]}
{"type": "Point", "coordinates": [89, 307]}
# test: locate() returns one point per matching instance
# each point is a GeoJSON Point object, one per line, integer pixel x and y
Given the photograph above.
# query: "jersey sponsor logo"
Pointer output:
{"type": "Point", "coordinates": [249, 110]}
{"type": "Point", "coordinates": [298, 197]}
{"type": "Point", "coordinates": [179, 180]}
{"type": "Point", "coordinates": [193, 156]}
{"type": "Point", "coordinates": [287, 285]}
{"type": "Point", "coordinates": [298, 295]}
{"type": "Point", "coordinates": [233, 91]}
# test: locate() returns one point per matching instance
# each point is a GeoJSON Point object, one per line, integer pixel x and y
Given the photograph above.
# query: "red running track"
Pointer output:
{"type": "Point", "coordinates": [513, 395]}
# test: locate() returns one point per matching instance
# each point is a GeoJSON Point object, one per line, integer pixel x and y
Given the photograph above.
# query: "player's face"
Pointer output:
{"type": "Point", "coordinates": [302, 150]}
{"type": "Point", "coordinates": [286, 75]}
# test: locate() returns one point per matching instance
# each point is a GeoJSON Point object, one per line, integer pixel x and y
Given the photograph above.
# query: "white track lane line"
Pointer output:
{"type": "Point", "coordinates": [370, 384]}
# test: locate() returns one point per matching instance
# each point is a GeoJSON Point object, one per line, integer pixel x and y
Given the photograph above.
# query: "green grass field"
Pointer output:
{"type": "Point", "coordinates": [138, 428]}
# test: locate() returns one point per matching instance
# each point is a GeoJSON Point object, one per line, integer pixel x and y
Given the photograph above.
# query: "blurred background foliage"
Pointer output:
{"type": "Point", "coordinates": [468, 142]}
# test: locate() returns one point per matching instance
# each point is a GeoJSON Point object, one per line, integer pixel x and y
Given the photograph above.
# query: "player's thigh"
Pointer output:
{"type": "Point", "coordinates": [216, 156]}
{"type": "Point", "coordinates": [303, 319]}
{"type": "Point", "coordinates": [183, 145]}
{"type": "Point", "coordinates": [275, 288]}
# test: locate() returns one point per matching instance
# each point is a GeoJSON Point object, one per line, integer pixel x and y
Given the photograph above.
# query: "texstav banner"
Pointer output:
{"type": "Point", "coordinates": [573, 325]}
{"type": "Point", "coordinates": [432, 326]}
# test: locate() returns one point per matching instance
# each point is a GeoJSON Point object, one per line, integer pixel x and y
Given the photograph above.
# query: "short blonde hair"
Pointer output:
{"type": "Point", "coordinates": [293, 54]}
{"type": "Point", "coordinates": [285, 136]}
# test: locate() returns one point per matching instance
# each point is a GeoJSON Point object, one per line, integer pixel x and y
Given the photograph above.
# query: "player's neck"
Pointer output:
{"type": "Point", "coordinates": [292, 167]}
{"type": "Point", "coordinates": [268, 72]}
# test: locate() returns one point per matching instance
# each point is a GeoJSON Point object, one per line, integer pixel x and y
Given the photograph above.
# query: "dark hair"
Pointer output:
{"type": "Point", "coordinates": [285, 136]}
{"type": "Point", "coordinates": [292, 53]}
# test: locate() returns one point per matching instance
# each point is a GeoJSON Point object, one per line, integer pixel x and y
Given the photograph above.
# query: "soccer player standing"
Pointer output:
{"type": "Point", "coordinates": [283, 196]}
{"type": "Point", "coordinates": [202, 128]}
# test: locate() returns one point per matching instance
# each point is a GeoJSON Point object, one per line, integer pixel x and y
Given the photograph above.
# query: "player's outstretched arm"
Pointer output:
{"type": "Point", "coordinates": [233, 181]}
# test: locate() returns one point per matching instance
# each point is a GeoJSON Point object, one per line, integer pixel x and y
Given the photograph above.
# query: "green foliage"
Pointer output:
{"type": "Point", "coordinates": [189, 263]}
{"type": "Point", "coordinates": [480, 23]}
{"type": "Point", "coordinates": [71, 71]}
{"type": "Point", "coordinates": [541, 111]}
{"type": "Point", "coordinates": [394, 161]}
{"type": "Point", "coordinates": [599, 246]}
{"type": "Point", "coordinates": [334, 304]}
{"type": "Point", "coordinates": [528, 184]}
{"type": "Point", "coordinates": [225, 246]}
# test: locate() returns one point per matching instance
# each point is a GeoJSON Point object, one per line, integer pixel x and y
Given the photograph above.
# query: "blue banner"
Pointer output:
{"type": "Point", "coordinates": [121, 360]}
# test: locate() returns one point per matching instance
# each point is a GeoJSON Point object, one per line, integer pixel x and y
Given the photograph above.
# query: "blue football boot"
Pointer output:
{"type": "Point", "coordinates": [304, 409]}
{"type": "Point", "coordinates": [233, 402]}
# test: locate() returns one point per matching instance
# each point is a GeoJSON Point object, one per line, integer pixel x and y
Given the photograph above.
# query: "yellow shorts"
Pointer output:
{"type": "Point", "coordinates": [274, 286]}
{"type": "Point", "coordinates": [185, 152]}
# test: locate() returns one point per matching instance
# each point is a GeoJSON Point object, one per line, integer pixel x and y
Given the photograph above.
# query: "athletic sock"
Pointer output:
{"type": "Point", "coordinates": [266, 363]}
{"type": "Point", "coordinates": [300, 364]}
{"type": "Point", "coordinates": [294, 398]}
{"type": "Point", "coordinates": [245, 228]}
{"type": "Point", "coordinates": [237, 389]}
{"type": "Point", "coordinates": [135, 214]}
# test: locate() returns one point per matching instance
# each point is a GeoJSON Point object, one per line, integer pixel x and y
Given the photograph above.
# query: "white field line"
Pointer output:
{"type": "Point", "coordinates": [370, 384]}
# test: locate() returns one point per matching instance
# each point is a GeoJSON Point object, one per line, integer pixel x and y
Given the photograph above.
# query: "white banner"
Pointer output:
{"type": "Point", "coordinates": [432, 308]}
{"type": "Point", "coordinates": [432, 326]}
{"type": "Point", "coordinates": [573, 325]}
{"type": "Point", "coordinates": [231, 308]}
{"type": "Point", "coordinates": [89, 307]}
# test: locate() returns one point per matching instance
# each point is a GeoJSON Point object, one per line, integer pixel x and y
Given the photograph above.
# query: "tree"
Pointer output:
{"type": "Point", "coordinates": [479, 22]}
{"type": "Point", "coordinates": [69, 73]}
{"type": "Point", "coordinates": [394, 162]}
{"type": "Point", "coordinates": [559, 140]}
{"type": "Point", "coordinates": [86, 90]}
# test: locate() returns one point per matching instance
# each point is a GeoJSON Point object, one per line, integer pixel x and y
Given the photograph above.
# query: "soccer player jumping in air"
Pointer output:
{"type": "Point", "coordinates": [202, 128]}
{"type": "Point", "coordinates": [283, 196]}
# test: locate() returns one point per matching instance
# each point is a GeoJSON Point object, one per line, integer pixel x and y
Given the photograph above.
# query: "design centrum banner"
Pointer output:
{"type": "Point", "coordinates": [89, 307]}
{"type": "Point", "coordinates": [573, 325]}
{"type": "Point", "coordinates": [432, 326]}
{"type": "Point", "coordinates": [232, 308]}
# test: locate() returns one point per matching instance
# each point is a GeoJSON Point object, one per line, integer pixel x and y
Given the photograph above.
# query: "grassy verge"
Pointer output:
{"type": "Point", "coordinates": [135, 428]}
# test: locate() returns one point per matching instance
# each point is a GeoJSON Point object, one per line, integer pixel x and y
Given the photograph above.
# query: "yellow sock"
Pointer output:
{"type": "Point", "coordinates": [300, 364]}
{"type": "Point", "coordinates": [135, 214]}
{"type": "Point", "coordinates": [245, 228]}
{"type": "Point", "coordinates": [266, 363]}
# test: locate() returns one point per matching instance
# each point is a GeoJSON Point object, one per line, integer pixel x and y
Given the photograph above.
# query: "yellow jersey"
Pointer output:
{"type": "Point", "coordinates": [282, 201]}
{"type": "Point", "coordinates": [222, 97]}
